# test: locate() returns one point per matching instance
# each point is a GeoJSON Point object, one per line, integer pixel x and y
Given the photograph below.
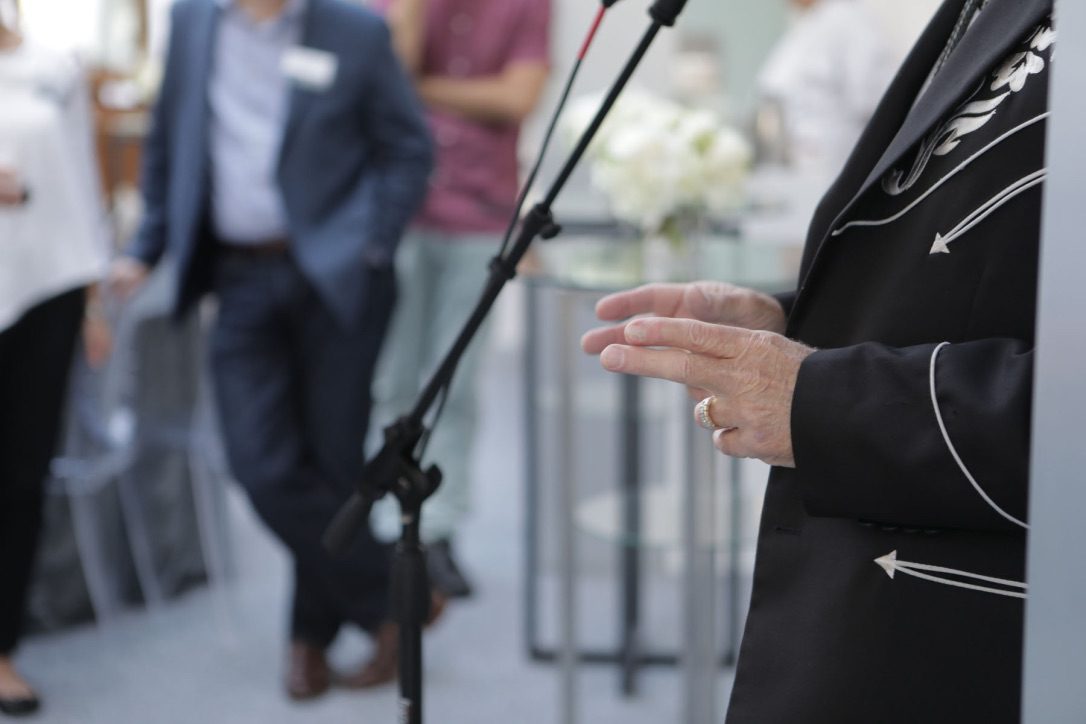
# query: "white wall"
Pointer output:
{"type": "Point", "coordinates": [621, 30]}
{"type": "Point", "coordinates": [746, 29]}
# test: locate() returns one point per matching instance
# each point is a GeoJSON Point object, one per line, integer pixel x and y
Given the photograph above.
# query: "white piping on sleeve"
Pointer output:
{"type": "Point", "coordinates": [954, 451]}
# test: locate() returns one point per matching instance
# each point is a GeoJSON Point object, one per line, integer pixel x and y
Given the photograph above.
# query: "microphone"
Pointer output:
{"type": "Point", "coordinates": [666, 12]}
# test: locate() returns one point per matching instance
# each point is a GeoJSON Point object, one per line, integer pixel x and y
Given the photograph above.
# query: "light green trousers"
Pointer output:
{"type": "Point", "coordinates": [441, 277]}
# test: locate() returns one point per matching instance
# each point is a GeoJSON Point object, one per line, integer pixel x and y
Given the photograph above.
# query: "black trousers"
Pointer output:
{"type": "Point", "coordinates": [293, 388]}
{"type": "Point", "coordinates": [35, 358]}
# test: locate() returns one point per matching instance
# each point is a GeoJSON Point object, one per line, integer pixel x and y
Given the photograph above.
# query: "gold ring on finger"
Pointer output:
{"type": "Point", "coordinates": [703, 416]}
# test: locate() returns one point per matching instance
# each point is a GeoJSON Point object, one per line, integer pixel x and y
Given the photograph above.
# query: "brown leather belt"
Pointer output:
{"type": "Point", "coordinates": [261, 250]}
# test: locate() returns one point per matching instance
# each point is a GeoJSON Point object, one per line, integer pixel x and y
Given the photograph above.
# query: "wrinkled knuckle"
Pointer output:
{"type": "Point", "coordinates": [688, 367]}
{"type": "Point", "coordinates": [719, 297]}
{"type": "Point", "coordinates": [708, 291]}
{"type": "Point", "coordinates": [761, 344]}
{"type": "Point", "coordinates": [698, 336]}
{"type": "Point", "coordinates": [760, 340]}
{"type": "Point", "coordinates": [753, 380]}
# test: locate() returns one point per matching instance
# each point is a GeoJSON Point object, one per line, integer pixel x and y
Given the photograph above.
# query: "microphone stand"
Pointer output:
{"type": "Point", "coordinates": [395, 469]}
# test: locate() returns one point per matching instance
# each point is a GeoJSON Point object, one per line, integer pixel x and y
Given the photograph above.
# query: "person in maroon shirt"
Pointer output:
{"type": "Point", "coordinates": [480, 67]}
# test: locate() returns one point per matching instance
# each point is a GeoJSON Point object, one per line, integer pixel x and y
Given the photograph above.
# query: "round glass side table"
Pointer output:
{"type": "Point", "coordinates": [670, 492]}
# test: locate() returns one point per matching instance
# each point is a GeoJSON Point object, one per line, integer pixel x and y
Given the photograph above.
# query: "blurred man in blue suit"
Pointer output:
{"type": "Point", "coordinates": [287, 154]}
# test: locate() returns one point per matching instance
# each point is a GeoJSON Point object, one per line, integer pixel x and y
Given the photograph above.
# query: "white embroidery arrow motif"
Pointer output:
{"type": "Point", "coordinates": [892, 565]}
{"type": "Point", "coordinates": [1019, 187]}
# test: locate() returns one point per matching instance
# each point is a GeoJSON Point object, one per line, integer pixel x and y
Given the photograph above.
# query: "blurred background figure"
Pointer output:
{"type": "Point", "coordinates": [286, 195]}
{"type": "Point", "coordinates": [826, 76]}
{"type": "Point", "coordinates": [53, 247]}
{"type": "Point", "coordinates": [480, 67]}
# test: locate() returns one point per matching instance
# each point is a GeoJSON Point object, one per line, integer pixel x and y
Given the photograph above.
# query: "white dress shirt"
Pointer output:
{"type": "Point", "coordinates": [58, 240]}
{"type": "Point", "coordinates": [249, 96]}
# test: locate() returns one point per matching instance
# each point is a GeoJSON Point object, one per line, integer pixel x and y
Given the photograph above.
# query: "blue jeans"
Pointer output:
{"type": "Point", "coordinates": [293, 388]}
{"type": "Point", "coordinates": [440, 279]}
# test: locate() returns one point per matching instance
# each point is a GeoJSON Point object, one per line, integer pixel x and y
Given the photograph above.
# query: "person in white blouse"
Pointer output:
{"type": "Point", "coordinates": [52, 249]}
{"type": "Point", "coordinates": [827, 75]}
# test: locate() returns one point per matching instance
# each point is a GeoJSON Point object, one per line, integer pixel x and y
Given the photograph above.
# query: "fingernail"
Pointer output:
{"type": "Point", "coordinates": [613, 357]}
{"type": "Point", "coordinates": [635, 332]}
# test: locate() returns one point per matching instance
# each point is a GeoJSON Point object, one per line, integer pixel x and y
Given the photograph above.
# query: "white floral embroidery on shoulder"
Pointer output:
{"type": "Point", "coordinates": [1017, 70]}
{"type": "Point", "coordinates": [972, 117]}
{"type": "Point", "coordinates": [1010, 78]}
{"type": "Point", "coordinates": [1044, 38]}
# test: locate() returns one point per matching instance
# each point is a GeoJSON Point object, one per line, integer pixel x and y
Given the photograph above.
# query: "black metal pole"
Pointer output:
{"type": "Point", "coordinates": [412, 590]}
{"type": "Point", "coordinates": [531, 477]}
{"type": "Point", "coordinates": [630, 465]}
{"type": "Point", "coordinates": [394, 469]}
{"type": "Point", "coordinates": [411, 587]}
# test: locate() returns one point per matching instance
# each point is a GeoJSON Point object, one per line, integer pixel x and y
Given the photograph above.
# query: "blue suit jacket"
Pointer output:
{"type": "Point", "coordinates": [353, 166]}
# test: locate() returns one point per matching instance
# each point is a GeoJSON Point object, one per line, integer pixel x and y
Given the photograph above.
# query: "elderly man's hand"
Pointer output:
{"type": "Point", "coordinates": [713, 302]}
{"type": "Point", "coordinates": [751, 374]}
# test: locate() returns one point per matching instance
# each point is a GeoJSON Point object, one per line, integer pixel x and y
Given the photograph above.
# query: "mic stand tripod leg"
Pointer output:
{"type": "Point", "coordinates": [412, 596]}
{"type": "Point", "coordinates": [411, 584]}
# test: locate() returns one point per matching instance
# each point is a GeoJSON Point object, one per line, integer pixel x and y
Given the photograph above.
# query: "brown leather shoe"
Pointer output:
{"type": "Point", "coordinates": [438, 602]}
{"type": "Point", "coordinates": [309, 675]}
{"type": "Point", "coordinates": [383, 666]}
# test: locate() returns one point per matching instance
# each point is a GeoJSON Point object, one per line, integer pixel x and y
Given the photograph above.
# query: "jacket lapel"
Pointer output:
{"type": "Point", "coordinates": [886, 121]}
{"type": "Point", "coordinates": [886, 138]}
{"type": "Point", "coordinates": [300, 99]}
{"type": "Point", "coordinates": [207, 24]}
{"type": "Point", "coordinates": [201, 46]}
{"type": "Point", "coordinates": [984, 45]}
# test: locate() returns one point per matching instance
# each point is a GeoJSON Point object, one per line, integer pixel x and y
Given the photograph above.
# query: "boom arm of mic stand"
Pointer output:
{"type": "Point", "coordinates": [394, 467]}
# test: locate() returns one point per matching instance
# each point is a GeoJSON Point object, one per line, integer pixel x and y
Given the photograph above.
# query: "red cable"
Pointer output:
{"type": "Point", "coordinates": [592, 33]}
{"type": "Point", "coordinates": [573, 73]}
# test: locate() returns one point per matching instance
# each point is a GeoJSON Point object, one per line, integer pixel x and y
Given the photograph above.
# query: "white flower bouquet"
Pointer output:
{"type": "Point", "coordinates": [659, 163]}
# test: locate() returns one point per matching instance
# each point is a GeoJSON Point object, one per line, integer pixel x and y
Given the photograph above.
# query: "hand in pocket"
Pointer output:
{"type": "Point", "coordinates": [12, 191]}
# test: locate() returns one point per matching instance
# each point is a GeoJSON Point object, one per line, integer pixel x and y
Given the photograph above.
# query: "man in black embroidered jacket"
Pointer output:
{"type": "Point", "coordinates": [892, 391]}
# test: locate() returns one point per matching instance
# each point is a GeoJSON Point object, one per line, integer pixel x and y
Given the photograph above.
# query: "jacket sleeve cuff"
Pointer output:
{"type": "Point", "coordinates": [143, 252]}
{"type": "Point", "coordinates": [867, 439]}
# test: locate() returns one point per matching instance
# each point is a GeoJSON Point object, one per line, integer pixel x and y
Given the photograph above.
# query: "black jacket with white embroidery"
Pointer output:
{"type": "Point", "coordinates": [890, 574]}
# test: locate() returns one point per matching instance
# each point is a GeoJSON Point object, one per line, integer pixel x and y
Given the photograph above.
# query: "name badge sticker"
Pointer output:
{"type": "Point", "coordinates": [310, 68]}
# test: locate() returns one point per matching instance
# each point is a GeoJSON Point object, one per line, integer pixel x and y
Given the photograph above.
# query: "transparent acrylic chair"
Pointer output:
{"type": "Point", "coordinates": [93, 454]}
{"type": "Point", "coordinates": [195, 436]}
{"type": "Point", "coordinates": [109, 428]}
